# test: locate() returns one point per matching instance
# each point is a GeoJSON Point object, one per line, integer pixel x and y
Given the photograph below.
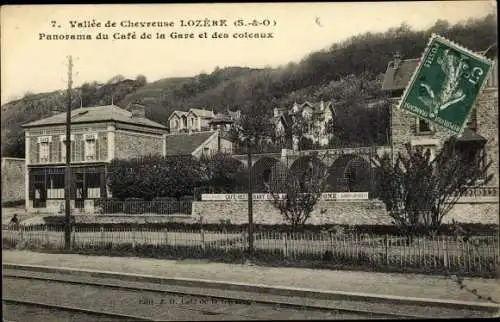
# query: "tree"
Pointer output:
{"type": "Point", "coordinates": [223, 172]}
{"type": "Point", "coordinates": [141, 80]}
{"type": "Point", "coordinates": [356, 122]}
{"type": "Point", "coordinates": [154, 176]}
{"type": "Point", "coordinates": [419, 191]}
{"type": "Point", "coordinates": [116, 79]}
{"type": "Point", "coordinates": [296, 193]}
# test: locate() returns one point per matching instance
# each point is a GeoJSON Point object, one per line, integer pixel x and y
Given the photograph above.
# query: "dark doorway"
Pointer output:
{"type": "Point", "coordinates": [40, 197]}
{"type": "Point", "coordinates": [80, 191]}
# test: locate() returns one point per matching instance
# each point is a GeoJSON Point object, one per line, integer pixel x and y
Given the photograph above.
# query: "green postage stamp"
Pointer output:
{"type": "Point", "coordinates": [446, 83]}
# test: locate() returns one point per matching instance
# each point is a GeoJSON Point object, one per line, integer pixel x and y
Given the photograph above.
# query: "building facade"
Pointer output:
{"type": "Point", "coordinates": [197, 120]}
{"type": "Point", "coordinates": [315, 117]}
{"type": "Point", "coordinates": [98, 135]}
{"type": "Point", "coordinates": [194, 120]}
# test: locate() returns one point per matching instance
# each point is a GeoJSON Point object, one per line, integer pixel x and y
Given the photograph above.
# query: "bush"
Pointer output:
{"type": "Point", "coordinates": [154, 176]}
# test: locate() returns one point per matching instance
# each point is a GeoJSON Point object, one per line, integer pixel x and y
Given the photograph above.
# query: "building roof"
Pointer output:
{"type": "Point", "coordinates": [316, 108]}
{"type": "Point", "coordinates": [184, 143]}
{"type": "Point", "coordinates": [179, 113]}
{"type": "Point", "coordinates": [202, 113]}
{"type": "Point", "coordinates": [221, 119]}
{"type": "Point", "coordinates": [96, 114]}
{"type": "Point", "coordinates": [397, 79]}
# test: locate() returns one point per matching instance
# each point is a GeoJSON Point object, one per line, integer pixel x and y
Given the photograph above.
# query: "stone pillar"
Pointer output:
{"type": "Point", "coordinates": [111, 142]}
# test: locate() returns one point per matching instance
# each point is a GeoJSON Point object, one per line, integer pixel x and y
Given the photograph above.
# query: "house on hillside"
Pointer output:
{"type": "Point", "coordinates": [316, 115]}
{"type": "Point", "coordinates": [224, 121]}
{"type": "Point", "coordinates": [98, 135]}
{"type": "Point", "coordinates": [194, 120]}
{"type": "Point", "coordinates": [479, 140]}
{"type": "Point", "coordinates": [197, 144]}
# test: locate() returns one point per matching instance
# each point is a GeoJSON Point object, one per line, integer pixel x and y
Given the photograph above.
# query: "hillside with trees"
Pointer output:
{"type": "Point", "coordinates": [328, 75]}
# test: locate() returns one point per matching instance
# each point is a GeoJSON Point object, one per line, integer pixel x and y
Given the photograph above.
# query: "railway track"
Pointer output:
{"type": "Point", "coordinates": [50, 311]}
{"type": "Point", "coordinates": [182, 299]}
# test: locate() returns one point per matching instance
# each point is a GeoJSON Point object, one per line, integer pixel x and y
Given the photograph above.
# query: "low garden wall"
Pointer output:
{"type": "Point", "coordinates": [355, 212]}
{"type": "Point", "coordinates": [358, 212]}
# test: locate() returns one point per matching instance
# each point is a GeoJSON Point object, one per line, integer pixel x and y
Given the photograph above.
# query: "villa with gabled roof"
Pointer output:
{"type": "Point", "coordinates": [193, 120]}
{"type": "Point", "coordinates": [316, 114]}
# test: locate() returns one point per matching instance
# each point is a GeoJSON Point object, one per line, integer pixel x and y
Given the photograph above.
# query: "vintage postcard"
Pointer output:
{"type": "Point", "coordinates": [184, 162]}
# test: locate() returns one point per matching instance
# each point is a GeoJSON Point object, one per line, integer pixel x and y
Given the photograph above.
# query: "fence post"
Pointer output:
{"type": "Point", "coordinates": [21, 234]}
{"type": "Point", "coordinates": [245, 240]}
{"type": "Point", "coordinates": [226, 246]}
{"type": "Point", "coordinates": [332, 243]}
{"type": "Point", "coordinates": [46, 235]}
{"type": "Point", "coordinates": [202, 235]}
{"type": "Point", "coordinates": [133, 237]}
{"type": "Point", "coordinates": [445, 253]}
{"type": "Point", "coordinates": [285, 250]}
{"type": "Point", "coordinates": [73, 237]}
{"type": "Point", "coordinates": [102, 236]}
{"type": "Point", "coordinates": [387, 249]}
{"type": "Point", "coordinates": [165, 233]}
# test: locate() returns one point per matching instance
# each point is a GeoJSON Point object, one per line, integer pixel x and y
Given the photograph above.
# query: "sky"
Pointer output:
{"type": "Point", "coordinates": [31, 64]}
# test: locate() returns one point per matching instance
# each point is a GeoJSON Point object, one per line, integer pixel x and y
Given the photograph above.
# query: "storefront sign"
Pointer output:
{"type": "Point", "coordinates": [267, 196]}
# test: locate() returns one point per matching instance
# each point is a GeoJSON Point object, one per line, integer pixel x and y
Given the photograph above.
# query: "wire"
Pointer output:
{"type": "Point", "coordinates": [487, 49]}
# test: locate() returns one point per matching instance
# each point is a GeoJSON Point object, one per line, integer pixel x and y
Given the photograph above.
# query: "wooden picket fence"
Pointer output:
{"type": "Point", "coordinates": [479, 255]}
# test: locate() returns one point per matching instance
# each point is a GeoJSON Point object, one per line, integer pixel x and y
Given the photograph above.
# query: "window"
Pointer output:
{"type": "Point", "coordinates": [55, 186]}
{"type": "Point", "coordinates": [44, 149]}
{"type": "Point", "coordinates": [473, 156]}
{"type": "Point", "coordinates": [432, 149]}
{"type": "Point", "coordinates": [44, 152]}
{"type": "Point", "coordinates": [427, 144]}
{"type": "Point", "coordinates": [90, 146]}
{"type": "Point", "coordinates": [93, 185]}
{"type": "Point", "coordinates": [423, 126]}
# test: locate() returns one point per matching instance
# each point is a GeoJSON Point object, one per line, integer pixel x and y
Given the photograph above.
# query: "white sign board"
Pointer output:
{"type": "Point", "coordinates": [267, 196]}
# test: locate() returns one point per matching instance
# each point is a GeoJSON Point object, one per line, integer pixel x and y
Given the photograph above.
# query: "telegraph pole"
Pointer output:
{"type": "Point", "coordinates": [250, 203]}
{"type": "Point", "coordinates": [67, 176]}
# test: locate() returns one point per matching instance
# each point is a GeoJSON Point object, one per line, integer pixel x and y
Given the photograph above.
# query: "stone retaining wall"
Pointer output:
{"type": "Point", "coordinates": [13, 177]}
{"type": "Point", "coordinates": [366, 212]}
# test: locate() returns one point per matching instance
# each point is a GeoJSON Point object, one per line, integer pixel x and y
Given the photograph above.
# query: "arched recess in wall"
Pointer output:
{"type": "Point", "coordinates": [307, 167]}
{"type": "Point", "coordinates": [350, 173]}
{"type": "Point", "coordinates": [264, 171]}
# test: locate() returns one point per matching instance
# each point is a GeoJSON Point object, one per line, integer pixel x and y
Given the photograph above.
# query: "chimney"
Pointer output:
{"type": "Point", "coordinates": [138, 110]}
{"type": "Point", "coordinates": [397, 60]}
